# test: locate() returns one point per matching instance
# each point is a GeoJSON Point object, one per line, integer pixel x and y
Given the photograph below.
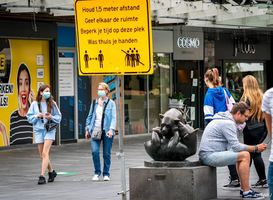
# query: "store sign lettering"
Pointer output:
{"type": "Point", "coordinates": [244, 46]}
{"type": "Point", "coordinates": [187, 42]}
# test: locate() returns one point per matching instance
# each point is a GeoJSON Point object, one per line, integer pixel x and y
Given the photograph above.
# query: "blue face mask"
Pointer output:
{"type": "Point", "coordinates": [46, 95]}
{"type": "Point", "coordinates": [101, 93]}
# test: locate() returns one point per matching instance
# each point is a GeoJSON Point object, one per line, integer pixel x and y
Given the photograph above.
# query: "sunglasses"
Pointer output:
{"type": "Point", "coordinates": [245, 115]}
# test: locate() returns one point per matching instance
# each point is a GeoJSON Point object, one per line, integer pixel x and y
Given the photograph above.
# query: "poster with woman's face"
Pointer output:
{"type": "Point", "coordinates": [23, 63]}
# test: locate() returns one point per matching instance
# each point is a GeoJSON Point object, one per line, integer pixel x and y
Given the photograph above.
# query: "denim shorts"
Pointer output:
{"type": "Point", "coordinates": [220, 159]}
{"type": "Point", "coordinates": [40, 137]}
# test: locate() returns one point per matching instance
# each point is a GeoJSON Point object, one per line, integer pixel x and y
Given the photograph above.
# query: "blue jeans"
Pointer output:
{"type": "Point", "coordinates": [107, 146]}
{"type": "Point", "coordinates": [270, 180]}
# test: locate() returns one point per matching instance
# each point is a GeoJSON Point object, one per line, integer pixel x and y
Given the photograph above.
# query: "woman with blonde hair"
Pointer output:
{"type": "Point", "coordinates": [255, 129]}
{"type": "Point", "coordinates": [101, 121]}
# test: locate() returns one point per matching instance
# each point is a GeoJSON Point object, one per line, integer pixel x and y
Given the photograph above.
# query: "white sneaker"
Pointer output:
{"type": "Point", "coordinates": [106, 178]}
{"type": "Point", "coordinates": [95, 177]}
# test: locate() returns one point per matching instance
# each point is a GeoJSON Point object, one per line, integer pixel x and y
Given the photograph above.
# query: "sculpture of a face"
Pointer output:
{"type": "Point", "coordinates": [173, 140]}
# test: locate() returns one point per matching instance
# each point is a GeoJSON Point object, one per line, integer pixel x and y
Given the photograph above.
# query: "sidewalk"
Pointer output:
{"type": "Point", "coordinates": [20, 168]}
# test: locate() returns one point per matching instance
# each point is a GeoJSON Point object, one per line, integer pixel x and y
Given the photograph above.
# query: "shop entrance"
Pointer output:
{"type": "Point", "coordinates": [186, 82]}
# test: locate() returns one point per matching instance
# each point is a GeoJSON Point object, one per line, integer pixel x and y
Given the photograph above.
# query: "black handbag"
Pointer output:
{"type": "Point", "coordinates": [50, 125]}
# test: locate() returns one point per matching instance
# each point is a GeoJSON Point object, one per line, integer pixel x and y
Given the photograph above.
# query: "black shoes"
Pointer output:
{"type": "Point", "coordinates": [41, 180]}
{"type": "Point", "coordinates": [260, 184]}
{"type": "Point", "coordinates": [51, 176]}
{"type": "Point", "coordinates": [233, 185]}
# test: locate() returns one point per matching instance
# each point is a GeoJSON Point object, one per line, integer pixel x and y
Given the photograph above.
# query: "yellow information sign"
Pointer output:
{"type": "Point", "coordinates": [114, 37]}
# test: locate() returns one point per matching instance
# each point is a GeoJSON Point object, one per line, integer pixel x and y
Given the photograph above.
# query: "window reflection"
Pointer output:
{"type": "Point", "coordinates": [135, 103]}
{"type": "Point", "coordinates": [159, 88]}
{"type": "Point", "coordinates": [235, 72]}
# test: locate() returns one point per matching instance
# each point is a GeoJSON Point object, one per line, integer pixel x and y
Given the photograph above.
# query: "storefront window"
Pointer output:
{"type": "Point", "coordinates": [235, 72]}
{"type": "Point", "coordinates": [159, 88]}
{"type": "Point", "coordinates": [135, 109]}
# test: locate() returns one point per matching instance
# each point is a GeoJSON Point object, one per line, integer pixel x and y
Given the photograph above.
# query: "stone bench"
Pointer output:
{"type": "Point", "coordinates": [170, 180]}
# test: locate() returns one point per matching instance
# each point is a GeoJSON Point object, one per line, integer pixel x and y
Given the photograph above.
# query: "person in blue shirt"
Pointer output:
{"type": "Point", "coordinates": [40, 112]}
{"type": "Point", "coordinates": [215, 101]}
{"type": "Point", "coordinates": [106, 122]}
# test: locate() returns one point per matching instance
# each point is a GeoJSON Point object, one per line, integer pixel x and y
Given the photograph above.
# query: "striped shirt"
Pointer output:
{"type": "Point", "coordinates": [267, 107]}
{"type": "Point", "coordinates": [21, 131]}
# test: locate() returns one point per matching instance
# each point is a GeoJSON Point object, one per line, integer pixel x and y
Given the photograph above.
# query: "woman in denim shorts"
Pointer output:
{"type": "Point", "coordinates": [40, 112]}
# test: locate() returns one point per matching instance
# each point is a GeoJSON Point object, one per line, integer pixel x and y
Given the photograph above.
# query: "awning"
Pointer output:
{"type": "Point", "coordinates": [191, 13]}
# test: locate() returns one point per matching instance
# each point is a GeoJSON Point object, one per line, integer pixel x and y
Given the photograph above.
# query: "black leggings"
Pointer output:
{"type": "Point", "coordinates": [259, 164]}
{"type": "Point", "coordinates": [254, 137]}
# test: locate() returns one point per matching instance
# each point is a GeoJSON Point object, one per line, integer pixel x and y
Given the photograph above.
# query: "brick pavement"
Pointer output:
{"type": "Point", "coordinates": [20, 168]}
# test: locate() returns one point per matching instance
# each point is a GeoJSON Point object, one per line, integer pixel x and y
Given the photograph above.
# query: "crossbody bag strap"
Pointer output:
{"type": "Point", "coordinates": [39, 107]}
{"type": "Point", "coordinates": [93, 104]}
{"type": "Point", "coordinates": [102, 121]}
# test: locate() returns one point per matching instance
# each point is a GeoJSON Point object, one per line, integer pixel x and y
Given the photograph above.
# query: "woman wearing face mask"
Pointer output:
{"type": "Point", "coordinates": [107, 123]}
{"type": "Point", "coordinates": [40, 112]}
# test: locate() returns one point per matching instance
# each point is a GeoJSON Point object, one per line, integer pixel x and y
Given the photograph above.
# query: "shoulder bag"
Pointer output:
{"type": "Point", "coordinates": [228, 102]}
{"type": "Point", "coordinates": [50, 125]}
{"type": "Point", "coordinates": [97, 132]}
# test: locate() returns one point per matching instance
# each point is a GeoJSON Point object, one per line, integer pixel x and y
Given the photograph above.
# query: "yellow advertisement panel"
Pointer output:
{"type": "Point", "coordinates": [114, 37]}
{"type": "Point", "coordinates": [26, 68]}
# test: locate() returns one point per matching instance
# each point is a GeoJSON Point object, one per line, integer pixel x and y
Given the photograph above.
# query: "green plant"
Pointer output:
{"type": "Point", "coordinates": [179, 96]}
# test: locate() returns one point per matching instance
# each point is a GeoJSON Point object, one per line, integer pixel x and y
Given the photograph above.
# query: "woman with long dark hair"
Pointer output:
{"type": "Point", "coordinates": [255, 129]}
{"type": "Point", "coordinates": [41, 112]}
{"type": "Point", "coordinates": [21, 131]}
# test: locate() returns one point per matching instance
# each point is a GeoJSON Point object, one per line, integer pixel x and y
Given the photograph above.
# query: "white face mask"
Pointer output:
{"type": "Point", "coordinates": [101, 93]}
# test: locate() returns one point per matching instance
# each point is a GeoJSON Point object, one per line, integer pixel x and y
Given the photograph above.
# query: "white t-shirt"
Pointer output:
{"type": "Point", "coordinates": [267, 107]}
{"type": "Point", "coordinates": [98, 116]}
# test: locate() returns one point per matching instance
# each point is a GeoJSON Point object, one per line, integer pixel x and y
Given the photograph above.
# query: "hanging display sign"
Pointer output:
{"type": "Point", "coordinates": [188, 45]}
{"type": "Point", "coordinates": [114, 37]}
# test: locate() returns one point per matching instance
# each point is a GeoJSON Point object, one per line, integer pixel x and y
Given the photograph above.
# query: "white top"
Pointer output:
{"type": "Point", "coordinates": [98, 116]}
{"type": "Point", "coordinates": [267, 106]}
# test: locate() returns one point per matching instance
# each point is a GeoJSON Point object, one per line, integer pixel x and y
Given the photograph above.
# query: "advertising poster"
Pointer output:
{"type": "Point", "coordinates": [24, 66]}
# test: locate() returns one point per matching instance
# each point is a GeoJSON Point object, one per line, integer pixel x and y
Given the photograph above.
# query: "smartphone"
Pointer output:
{"type": "Point", "coordinates": [46, 113]}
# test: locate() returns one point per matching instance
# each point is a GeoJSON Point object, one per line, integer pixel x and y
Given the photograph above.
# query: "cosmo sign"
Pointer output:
{"type": "Point", "coordinates": [188, 45]}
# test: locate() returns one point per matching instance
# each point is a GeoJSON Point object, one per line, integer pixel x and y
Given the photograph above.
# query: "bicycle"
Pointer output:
{"type": "Point", "coordinates": [186, 112]}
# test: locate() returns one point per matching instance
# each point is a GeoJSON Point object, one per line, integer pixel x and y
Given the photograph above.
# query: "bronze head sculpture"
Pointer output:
{"type": "Point", "coordinates": [174, 140]}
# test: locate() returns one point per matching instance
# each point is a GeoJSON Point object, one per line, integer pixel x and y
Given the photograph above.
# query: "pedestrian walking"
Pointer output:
{"type": "Point", "coordinates": [255, 129]}
{"type": "Point", "coordinates": [100, 126]}
{"type": "Point", "coordinates": [267, 108]}
{"type": "Point", "coordinates": [43, 112]}
{"type": "Point", "coordinates": [215, 101]}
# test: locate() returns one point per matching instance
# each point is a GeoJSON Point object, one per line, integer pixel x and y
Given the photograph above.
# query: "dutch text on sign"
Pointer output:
{"type": "Point", "coordinates": [114, 37]}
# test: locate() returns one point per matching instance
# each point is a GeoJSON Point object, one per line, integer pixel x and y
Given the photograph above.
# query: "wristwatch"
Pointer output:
{"type": "Point", "coordinates": [255, 149]}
